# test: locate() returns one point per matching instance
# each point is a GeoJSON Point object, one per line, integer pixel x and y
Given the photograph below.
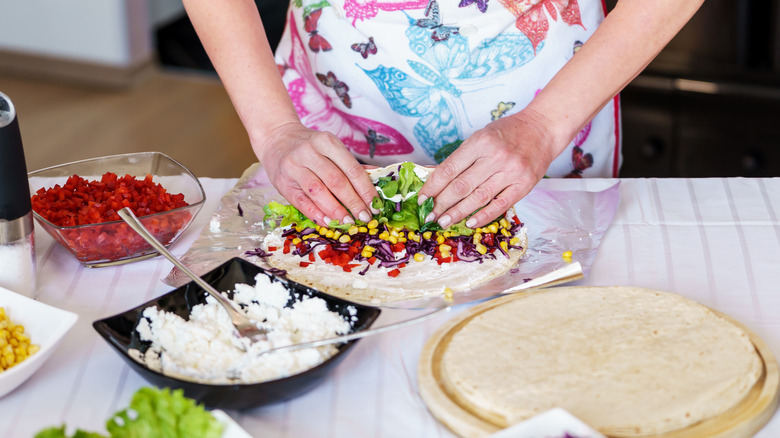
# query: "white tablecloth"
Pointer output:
{"type": "Point", "coordinates": [716, 241]}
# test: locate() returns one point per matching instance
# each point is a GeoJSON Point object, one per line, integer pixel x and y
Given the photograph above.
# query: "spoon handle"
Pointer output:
{"type": "Point", "coordinates": [130, 218]}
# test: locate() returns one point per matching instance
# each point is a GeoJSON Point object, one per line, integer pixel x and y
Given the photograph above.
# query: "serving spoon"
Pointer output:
{"type": "Point", "coordinates": [568, 273]}
{"type": "Point", "coordinates": [245, 327]}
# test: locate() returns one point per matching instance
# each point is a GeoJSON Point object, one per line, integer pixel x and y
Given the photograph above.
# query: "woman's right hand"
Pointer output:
{"type": "Point", "coordinates": [315, 172]}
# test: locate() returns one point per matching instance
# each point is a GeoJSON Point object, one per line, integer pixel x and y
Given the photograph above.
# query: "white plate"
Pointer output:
{"type": "Point", "coordinates": [232, 429]}
{"type": "Point", "coordinates": [555, 423]}
{"type": "Point", "coordinates": [45, 325]}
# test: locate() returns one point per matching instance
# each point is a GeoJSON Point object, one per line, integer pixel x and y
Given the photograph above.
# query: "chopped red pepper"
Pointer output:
{"type": "Point", "coordinates": [394, 273]}
{"type": "Point", "coordinates": [82, 202]}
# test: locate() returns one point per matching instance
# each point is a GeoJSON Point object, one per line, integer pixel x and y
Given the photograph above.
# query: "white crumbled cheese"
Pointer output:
{"type": "Point", "coordinates": [205, 348]}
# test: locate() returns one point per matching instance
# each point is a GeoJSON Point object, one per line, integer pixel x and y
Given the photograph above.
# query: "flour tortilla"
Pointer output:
{"type": "Point", "coordinates": [417, 279]}
{"type": "Point", "coordinates": [627, 361]}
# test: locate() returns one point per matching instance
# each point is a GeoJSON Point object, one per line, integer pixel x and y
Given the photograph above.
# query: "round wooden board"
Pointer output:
{"type": "Point", "coordinates": [741, 421]}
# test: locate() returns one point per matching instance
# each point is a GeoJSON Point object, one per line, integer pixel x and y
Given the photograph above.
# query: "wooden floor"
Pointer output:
{"type": "Point", "coordinates": [187, 116]}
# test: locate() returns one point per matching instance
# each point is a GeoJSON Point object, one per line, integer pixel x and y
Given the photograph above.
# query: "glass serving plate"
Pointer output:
{"type": "Point", "coordinates": [114, 243]}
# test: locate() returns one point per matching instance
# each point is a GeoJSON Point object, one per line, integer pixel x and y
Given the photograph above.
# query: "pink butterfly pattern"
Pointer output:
{"type": "Point", "coordinates": [364, 10]}
{"type": "Point", "coordinates": [317, 110]}
{"type": "Point", "coordinates": [532, 20]}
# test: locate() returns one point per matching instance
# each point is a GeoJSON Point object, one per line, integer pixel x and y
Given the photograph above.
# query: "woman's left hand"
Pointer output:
{"type": "Point", "coordinates": [494, 168]}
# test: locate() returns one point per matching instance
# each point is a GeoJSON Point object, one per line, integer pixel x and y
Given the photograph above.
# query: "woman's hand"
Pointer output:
{"type": "Point", "coordinates": [494, 168]}
{"type": "Point", "coordinates": [315, 172]}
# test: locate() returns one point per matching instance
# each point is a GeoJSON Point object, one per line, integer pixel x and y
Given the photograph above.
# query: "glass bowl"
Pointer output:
{"type": "Point", "coordinates": [113, 243]}
{"type": "Point", "coordinates": [120, 332]}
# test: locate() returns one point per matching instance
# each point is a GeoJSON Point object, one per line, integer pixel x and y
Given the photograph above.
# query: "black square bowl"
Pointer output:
{"type": "Point", "coordinates": [119, 331]}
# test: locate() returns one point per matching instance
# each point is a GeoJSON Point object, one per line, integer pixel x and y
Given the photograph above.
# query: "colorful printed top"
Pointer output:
{"type": "Point", "coordinates": [409, 80]}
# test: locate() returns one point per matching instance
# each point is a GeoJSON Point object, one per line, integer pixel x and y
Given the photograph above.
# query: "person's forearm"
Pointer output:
{"type": "Point", "coordinates": [628, 39]}
{"type": "Point", "coordinates": [232, 34]}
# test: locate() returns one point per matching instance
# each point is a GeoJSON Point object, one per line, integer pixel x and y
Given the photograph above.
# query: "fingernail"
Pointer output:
{"type": "Point", "coordinates": [430, 217]}
{"type": "Point", "coordinates": [421, 199]}
{"type": "Point", "coordinates": [326, 220]}
{"type": "Point", "coordinates": [471, 222]}
{"type": "Point", "coordinates": [445, 221]}
{"type": "Point", "coordinates": [374, 210]}
{"type": "Point", "coordinates": [347, 220]}
{"type": "Point", "coordinates": [364, 216]}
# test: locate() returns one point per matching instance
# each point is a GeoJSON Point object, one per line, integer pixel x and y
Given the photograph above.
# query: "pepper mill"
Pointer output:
{"type": "Point", "coordinates": [17, 240]}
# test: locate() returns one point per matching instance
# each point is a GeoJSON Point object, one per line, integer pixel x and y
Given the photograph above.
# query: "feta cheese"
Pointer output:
{"type": "Point", "coordinates": [205, 348]}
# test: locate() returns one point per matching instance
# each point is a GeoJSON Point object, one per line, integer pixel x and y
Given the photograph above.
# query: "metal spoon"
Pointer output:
{"type": "Point", "coordinates": [245, 327]}
{"type": "Point", "coordinates": [568, 273]}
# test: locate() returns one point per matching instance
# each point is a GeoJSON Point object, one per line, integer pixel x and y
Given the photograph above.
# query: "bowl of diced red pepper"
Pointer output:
{"type": "Point", "coordinates": [77, 204]}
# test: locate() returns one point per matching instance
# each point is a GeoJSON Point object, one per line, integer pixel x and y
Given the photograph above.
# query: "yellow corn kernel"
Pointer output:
{"type": "Point", "coordinates": [514, 241]}
{"type": "Point", "coordinates": [309, 236]}
{"type": "Point", "coordinates": [566, 254]}
{"type": "Point", "coordinates": [427, 235]}
{"type": "Point", "coordinates": [493, 228]}
{"type": "Point", "coordinates": [33, 349]}
{"type": "Point", "coordinates": [373, 231]}
{"type": "Point", "coordinates": [440, 239]}
{"type": "Point", "coordinates": [393, 239]}
{"type": "Point", "coordinates": [298, 228]}
{"type": "Point", "coordinates": [336, 234]}
{"type": "Point", "coordinates": [329, 234]}
{"type": "Point", "coordinates": [363, 229]}
{"type": "Point", "coordinates": [419, 257]}
{"type": "Point", "coordinates": [352, 230]}
{"type": "Point", "coordinates": [447, 234]}
{"type": "Point", "coordinates": [415, 237]}
{"type": "Point", "coordinates": [344, 238]}
{"type": "Point", "coordinates": [482, 249]}
{"type": "Point", "coordinates": [504, 245]}
{"type": "Point", "coordinates": [445, 254]}
{"type": "Point", "coordinates": [394, 232]}
{"type": "Point", "coordinates": [367, 254]}
{"type": "Point", "coordinates": [444, 247]}
{"type": "Point", "coordinates": [384, 235]}
{"type": "Point", "coordinates": [477, 238]}
{"type": "Point", "coordinates": [506, 232]}
{"type": "Point", "coordinates": [296, 241]}
{"type": "Point", "coordinates": [447, 293]}
{"type": "Point", "coordinates": [504, 223]}
{"type": "Point", "coordinates": [369, 248]}
{"type": "Point", "coordinates": [373, 224]}
{"type": "Point", "coordinates": [402, 240]}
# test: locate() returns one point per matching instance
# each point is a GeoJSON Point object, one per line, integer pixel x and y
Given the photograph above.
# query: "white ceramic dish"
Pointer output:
{"type": "Point", "coordinates": [45, 325]}
{"type": "Point", "coordinates": [555, 423]}
{"type": "Point", "coordinates": [232, 429]}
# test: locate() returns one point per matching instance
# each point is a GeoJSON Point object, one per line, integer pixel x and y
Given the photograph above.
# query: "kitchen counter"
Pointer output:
{"type": "Point", "coordinates": [716, 241]}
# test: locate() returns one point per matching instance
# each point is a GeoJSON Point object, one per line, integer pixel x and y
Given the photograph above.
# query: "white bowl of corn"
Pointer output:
{"type": "Point", "coordinates": [29, 333]}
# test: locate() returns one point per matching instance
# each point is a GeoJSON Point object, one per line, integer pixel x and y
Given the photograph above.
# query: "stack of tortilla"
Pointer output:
{"type": "Point", "coordinates": [627, 361]}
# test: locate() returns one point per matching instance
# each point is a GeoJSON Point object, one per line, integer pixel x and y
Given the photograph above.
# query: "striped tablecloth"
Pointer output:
{"type": "Point", "coordinates": [716, 241]}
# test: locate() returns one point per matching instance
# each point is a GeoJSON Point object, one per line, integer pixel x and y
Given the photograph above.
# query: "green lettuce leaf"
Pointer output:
{"type": "Point", "coordinates": [164, 414]}
{"type": "Point", "coordinates": [408, 180]}
{"type": "Point", "coordinates": [280, 215]}
{"type": "Point", "coordinates": [59, 432]}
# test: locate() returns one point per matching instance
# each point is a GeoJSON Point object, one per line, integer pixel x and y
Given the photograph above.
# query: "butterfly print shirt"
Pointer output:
{"type": "Point", "coordinates": [412, 79]}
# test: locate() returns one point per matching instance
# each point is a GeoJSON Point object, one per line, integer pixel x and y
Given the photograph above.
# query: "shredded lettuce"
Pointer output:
{"type": "Point", "coordinates": [410, 216]}
{"type": "Point", "coordinates": [153, 413]}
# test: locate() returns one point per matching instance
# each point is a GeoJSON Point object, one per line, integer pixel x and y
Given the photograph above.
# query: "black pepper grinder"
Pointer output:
{"type": "Point", "coordinates": [17, 240]}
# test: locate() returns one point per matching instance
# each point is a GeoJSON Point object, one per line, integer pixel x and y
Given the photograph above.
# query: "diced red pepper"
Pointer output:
{"type": "Point", "coordinates": [394, 273]}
